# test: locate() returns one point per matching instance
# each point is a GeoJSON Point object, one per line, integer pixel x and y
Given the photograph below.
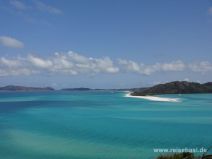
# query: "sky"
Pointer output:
{"type": "Point", "coordinates": [104, 43]}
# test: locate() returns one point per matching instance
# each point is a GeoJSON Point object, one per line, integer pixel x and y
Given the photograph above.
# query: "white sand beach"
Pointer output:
{"type": "Point", "coordinates": [153, 98]}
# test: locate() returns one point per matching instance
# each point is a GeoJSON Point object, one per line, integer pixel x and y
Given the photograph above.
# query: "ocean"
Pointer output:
{"type": "Point", "coordinates": [100, 125]}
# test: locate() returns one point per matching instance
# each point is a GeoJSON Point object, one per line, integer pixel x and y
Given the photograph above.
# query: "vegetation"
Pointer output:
{"type": "Point", "coordinates": [176, 87]}
{"type": "Point", "coordinates": [184, 155]}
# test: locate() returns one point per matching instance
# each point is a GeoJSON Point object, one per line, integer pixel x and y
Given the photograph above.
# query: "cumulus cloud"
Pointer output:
{"type": "Point", "coordinates": [203, 67]}
{"type": "Point", "coordinates": [63, 63]}
{"type": "Point", "coordinates": [14, 67]}
{"type": "Point", "coordinates": [9, 62]}
{"type": "Point", "coordinates": [72, 63]}
{"type": "Point", "coordinates": [186, 79]}
{"type": "Point", "coordinates": [172, 66]}
{"type": "Point", "coordinates": [141, 68]}
{"type": "Point", "coordinates": [88, 64]}
{"type": "Point", "coordinates": [39, 62]}
{"type": "Point", "coordinates": [11, 42]}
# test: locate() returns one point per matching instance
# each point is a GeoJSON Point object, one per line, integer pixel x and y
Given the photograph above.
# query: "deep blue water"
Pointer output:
{"type": "Point", "coordinates": [100, 125]}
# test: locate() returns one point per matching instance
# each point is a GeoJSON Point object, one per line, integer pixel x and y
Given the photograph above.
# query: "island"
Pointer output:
{"type": "Point", "coordinates": [76, 89]}
{"type": "Point", "coordinates": [24, 88]}
{"type": "Point", "coordinates": [97, 89]}
{"type": "Point", "coordinates": [176, 87]}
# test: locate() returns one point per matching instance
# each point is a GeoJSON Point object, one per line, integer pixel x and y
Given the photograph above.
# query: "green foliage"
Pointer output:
{"type": "Point", "coordinates": [184, 155]}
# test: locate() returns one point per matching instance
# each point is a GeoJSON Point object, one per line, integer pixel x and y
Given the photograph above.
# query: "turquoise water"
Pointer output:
{"type": "Point", "coordinates": [100, 125]}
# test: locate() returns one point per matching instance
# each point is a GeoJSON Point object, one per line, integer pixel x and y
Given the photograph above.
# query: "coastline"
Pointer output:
{"type": "Point", "coordinates": [152, 98]}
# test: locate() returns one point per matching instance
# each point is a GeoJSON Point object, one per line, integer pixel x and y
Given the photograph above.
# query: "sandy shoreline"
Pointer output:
{"type": "Point", "coordinates": [153, 98]}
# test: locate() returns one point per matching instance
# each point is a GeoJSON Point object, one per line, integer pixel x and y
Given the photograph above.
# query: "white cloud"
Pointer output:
{"type": "Point", "coordinates": [172, 66]}
{"type": "Point", "coordinates": [72, 63]}
{"type": "Point", "coordinates": [11, 42]}
{"type": "Point", "coordinates": [210, 11]}
{"type": "Point", "coordinates": [18, 4]}
{"type": "Point", "coordinates": [47, 8]}
{"type": "Point", "coordinates": [63, 63]}
{"type": "Point", "coordinates": [141, 68]}
{"type": "Point", "coordinates": [14, 67]}
{"type": "Point", "coordinates": [39, 62]}
{"type": "Point", "coordinates": [83, 64]}
{"type": "Point", "coordinates": [186, 79]}
{"type": "Point", "coordinates": [203, 67]}
{"type": "Point", "coordinates": [16, 72]}
{"type": "Point", "coordinates": [35, 6]}
{"type": "Point", "coordinates": [9, 62]}
{"type": "Point", "coordinates": [131, 65]}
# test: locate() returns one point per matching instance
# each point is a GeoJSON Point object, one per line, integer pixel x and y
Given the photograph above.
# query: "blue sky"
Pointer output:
{"type": "Point", "coordinates": [104, 43]}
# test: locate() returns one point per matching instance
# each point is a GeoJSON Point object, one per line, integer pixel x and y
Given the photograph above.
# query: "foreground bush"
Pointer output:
{"type": "Point", "coordinates": [184, 155]}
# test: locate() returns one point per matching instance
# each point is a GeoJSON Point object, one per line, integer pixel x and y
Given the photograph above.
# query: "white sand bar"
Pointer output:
{"type": "Point", "coordinates": [153, 98]}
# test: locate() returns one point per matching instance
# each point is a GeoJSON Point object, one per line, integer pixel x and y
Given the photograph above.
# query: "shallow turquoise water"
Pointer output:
{"type": "Point", "coordinates": [100, 125]}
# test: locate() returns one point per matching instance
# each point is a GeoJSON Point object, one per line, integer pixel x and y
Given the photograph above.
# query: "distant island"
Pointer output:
{"type": "Point", "coordinates": [23, 88]}
{"type": "Point", "coordinates": [76, 89]}
{"type": "Point", "coordinates": [176, 87]}
{"type": "Point", "coordinates": [96, 89]}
